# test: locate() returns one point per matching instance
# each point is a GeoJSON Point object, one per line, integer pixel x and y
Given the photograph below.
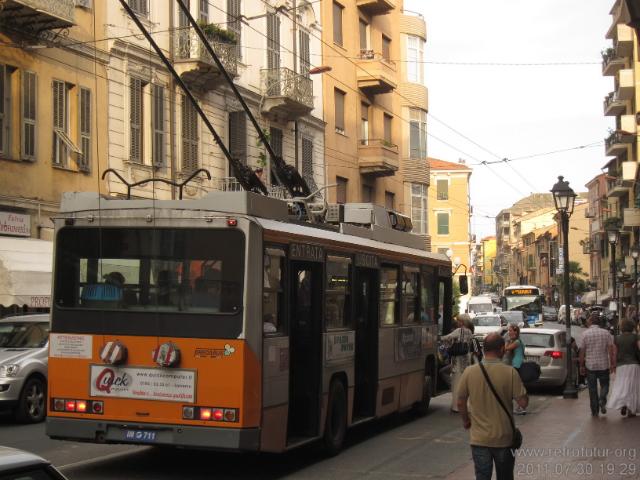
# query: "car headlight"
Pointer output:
{"type": "Point", "coordinates": [10, 370]}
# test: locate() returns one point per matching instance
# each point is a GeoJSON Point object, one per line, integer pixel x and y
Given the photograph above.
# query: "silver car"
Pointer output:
{"type": "Point", "coordinates": [548, 348]}
{"type": "Point", "coordinates": [21, 465]}
{"type": "Point", "coordinates": [24, 344]}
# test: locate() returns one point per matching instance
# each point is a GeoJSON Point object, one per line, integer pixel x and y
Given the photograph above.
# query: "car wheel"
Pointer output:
{"type": "Point", "coordinates": [422, 407]}
{"type": "Point", "coordinates": [32, 404]}
{"type": "Point", "coordinates": [335, 427]}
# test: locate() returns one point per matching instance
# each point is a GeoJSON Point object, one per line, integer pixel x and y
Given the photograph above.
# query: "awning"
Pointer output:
{"type": "Point", "coordinates": [590, 298]}
{"type": "Point", "coordinates": [25, 272]}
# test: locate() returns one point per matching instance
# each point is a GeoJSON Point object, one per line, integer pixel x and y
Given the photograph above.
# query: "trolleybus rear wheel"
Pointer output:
{"type": "Point", "coordinates": [422, 407]}
{"type": "Point", "coordinates": [335, 427]}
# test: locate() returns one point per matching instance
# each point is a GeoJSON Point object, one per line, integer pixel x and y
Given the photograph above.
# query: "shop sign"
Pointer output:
{"type": "Point", "coordinates": [16, 224]}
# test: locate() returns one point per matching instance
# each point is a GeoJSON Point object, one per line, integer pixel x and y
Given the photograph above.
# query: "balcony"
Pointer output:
{"type": "Point", "coordinates": [626, 84]}
{"type": "Point", "coordinates": [623, 40]}
{"type": "Point", "coordinates": [231, 184]}
{"type": "Point", "coordinates": [194, 64]}
{"type": "Point", "coordinates": [375, 74]}
{"type": "Point", "coordinates": [375, 7]}
{"type": "Point", "coordinates": [631, 217]}
{"type": "Point", "coordinates": [37, 15]}
{"type": "Point", "coordinates": [611, 62]}
{"type": "Point", "coordinates": [613, 106]}
{"type": "Point", "coordinates": [617, 188]}
{"type": "Point", "coordinates": [286, 95]}
{"type": "Point", "coordinates": [629, 170]}
{"type": "Point", "coordinates": [377, 158]}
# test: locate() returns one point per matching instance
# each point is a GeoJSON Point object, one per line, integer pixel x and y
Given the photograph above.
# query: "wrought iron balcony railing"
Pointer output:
{"type": "Point", "coordinates": [188, 46]}
{"type": "Point", "coordinates": [284, 82]}
{"type": "Point", "coordinates": [37, 15]}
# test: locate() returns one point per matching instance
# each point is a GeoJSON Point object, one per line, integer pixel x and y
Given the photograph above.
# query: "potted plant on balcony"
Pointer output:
{"type": "Point", "coordinates": [612, 223]}
{"type": "Point", "coordinates": [217, 34]}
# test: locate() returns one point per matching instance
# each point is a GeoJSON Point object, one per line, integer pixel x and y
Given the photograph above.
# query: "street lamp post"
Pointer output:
{"type": "Point", "coordinates": [564, 198]}
{"type": "Point", "coordinates": [635, 253]}
{"type": "Point", "coordinates": [612, 235]}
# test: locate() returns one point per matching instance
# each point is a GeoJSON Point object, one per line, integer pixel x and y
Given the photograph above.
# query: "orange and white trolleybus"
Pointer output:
{"type": "Point", "coordinates": [222, 323]}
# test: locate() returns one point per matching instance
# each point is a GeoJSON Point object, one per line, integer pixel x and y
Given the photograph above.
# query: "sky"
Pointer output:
{"type": "Point", "coordinates": [515, 111]}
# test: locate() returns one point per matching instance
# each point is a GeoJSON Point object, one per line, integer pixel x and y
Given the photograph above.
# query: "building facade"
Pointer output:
{"type": "Point", "coordinates": [450, 211]}
{"type": "Point", "coordinates": [268, 48]}
{"type": "Point", "coordinates": [619, 61]}
{"type": "Point", "coordinates": [375, 106]}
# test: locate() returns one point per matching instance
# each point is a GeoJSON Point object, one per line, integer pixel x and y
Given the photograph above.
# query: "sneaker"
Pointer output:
{"type": "Point", "coordinates": [603, 409]}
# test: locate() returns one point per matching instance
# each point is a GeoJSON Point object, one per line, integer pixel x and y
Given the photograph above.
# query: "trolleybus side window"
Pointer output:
{"type": "Point", "coordinates": [427, 296]}
{"type": "Point", "coordinates": [388, 295]}
{"type": "Point", "coordinates": [338, 293]}
{"type": "Point", "coordinates": [410, 295]}
{"type": "Point", "coordinates": [273, 302]}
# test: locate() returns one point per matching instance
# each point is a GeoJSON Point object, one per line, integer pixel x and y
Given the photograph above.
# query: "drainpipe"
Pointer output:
{"type": "Point", "coordinates": [172, 105]}
{"type": "Point", "coordinates": [295, 72]}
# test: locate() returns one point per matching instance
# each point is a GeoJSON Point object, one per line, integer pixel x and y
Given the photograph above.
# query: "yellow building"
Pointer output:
{"type": "Point", "coordinates": [488, 249]}
{"type": "Point", "coordinates": [449, 210]}
{"type": "Point", "coordinates": [375, 106]}
{"type": "Point", "coordinates": [53, 129]}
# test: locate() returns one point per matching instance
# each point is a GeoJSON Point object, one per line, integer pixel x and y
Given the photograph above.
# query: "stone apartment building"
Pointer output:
{"type": "Point", "coordinates": [375, 105]}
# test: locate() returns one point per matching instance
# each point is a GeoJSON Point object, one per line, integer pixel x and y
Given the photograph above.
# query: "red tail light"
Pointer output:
{"type": "Point", "coordinates": [70, 406]}
{"type": "Point", "coordinates": [218, 414]}
{"type": "Point", "coordinates": [553, 354]}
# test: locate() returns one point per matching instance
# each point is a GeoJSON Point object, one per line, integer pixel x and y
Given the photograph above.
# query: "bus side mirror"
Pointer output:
{"type": "Point", "coordinates": [464, 284]}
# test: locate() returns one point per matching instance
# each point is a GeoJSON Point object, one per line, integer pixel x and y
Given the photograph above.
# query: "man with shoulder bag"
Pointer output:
{"type": "Point", "coordinates": [489, 387]}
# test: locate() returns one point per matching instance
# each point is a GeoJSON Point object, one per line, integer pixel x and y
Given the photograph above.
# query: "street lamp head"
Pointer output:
{"type": "Point", "coordinates": [612, 235]}
{"type": "Point", "coordinates": [319, 69]}
{"type": "Point", "coordinates": [563, 196]}
{"type": "Point", "coordinates": [623, 269]}
{"type": "Point", "coordinates": [635, 252]}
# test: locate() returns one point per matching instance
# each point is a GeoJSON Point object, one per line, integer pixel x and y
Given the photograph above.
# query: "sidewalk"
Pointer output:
{"type": "Point", "coordinates": [564, 441]}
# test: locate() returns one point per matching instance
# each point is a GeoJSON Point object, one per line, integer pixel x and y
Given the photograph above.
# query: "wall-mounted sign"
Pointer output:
{"type": "Point", "coordinates": [16, 224]}
{"type": "Point", "coordinates": [302, 251]}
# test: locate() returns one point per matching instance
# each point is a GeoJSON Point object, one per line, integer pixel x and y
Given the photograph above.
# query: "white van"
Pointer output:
{"type": "Point", "coordinates": [481, 304]}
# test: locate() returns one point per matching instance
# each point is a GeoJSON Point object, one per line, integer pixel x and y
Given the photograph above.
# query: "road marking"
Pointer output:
{"type": "Point", "coordinates": [90, 461]}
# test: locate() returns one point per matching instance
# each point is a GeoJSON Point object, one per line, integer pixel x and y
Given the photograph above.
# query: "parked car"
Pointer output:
{"type": "Point", "coordinates": [20, 465]}
{"type": "Point", "coordinates": [24, 350]}
{"type": "Point", "coordinates": [549, 313]}
{"type": "Point", "coordinates": [488, 323]}
{"type": "Point", "coordinates": [548, 348]}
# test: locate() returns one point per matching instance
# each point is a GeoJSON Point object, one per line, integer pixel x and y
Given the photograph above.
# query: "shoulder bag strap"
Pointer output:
{"type": "Point", "coordinates": [493, 390]}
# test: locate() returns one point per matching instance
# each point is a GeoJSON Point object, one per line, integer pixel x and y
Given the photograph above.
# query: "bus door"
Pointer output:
{"type": "Point", "coordinates": [445, 311]}
{"type": "Point", "coordinates": [366, 362]}
{"type": "Point", "coordinates": [304, 350]}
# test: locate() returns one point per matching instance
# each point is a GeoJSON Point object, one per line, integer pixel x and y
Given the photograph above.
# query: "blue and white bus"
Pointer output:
{"type": "Point", "coordinates": [525, 298]}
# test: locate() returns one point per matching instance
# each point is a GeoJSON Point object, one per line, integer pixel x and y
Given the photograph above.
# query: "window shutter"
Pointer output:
{"type": "Point", "coordinates": [414, 139]}
{"type": "Point", "coordinates": [339, 113]}
{"type": "Point", "coordinates": [59, 122]}
{"type": "Point", "coordinates": [273, 53]}
{"type": "Point", "coordinates": [337, 23]}
{"type": "Point", "coordinates": [443, 189]}
{"type": "Point", "coordinates": [84, 159]}
{"type": "Point", "coordinates": [276, 140]}
{"type": "Point", "coordinates": [158, 126]}
{"type": "Point", "coordinates": [387, 128]}
{"type": "Point", "coordinates": [135, 122]}
{"type": "Point", "coordinates": [204, 11]}
{"type": "Point", "coordinates": [305, 53]}
{"type": "Point", "coordinates": [189, 136]}
{"type": "Point", "coordinates": [307, 163]}
{"type": "Point", "coordinates": [238, 136]}
{"type": "Point", "coordinates": [234, 24]}
{"type": "Point", "coordinates": [29, 115]}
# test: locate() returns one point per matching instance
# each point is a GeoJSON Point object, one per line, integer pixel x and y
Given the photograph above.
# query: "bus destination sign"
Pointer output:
{"type": "Point", "coordinates": [521, 291]}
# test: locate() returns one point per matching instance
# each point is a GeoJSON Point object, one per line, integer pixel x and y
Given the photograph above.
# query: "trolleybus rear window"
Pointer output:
{"type": "Point", "coordinates": [150, 269]}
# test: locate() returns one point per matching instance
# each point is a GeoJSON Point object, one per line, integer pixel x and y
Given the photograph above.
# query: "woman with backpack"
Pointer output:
{"type": "Point", "coordinates": [459, 348]}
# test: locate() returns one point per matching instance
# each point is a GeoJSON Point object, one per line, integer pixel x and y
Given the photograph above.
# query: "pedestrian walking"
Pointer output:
{"type": "Point", "coordinates": [625, 394]}
{"type": "Point", "coordinates": [459, 343]}
{"type": "Point", "coordinates": [514, 350]}
{"type": "Point", "coordinates": [491, 424]}
{"type": "Point", "coordinates": [598, 361]}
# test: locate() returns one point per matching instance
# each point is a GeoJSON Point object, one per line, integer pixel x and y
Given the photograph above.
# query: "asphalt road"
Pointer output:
{"type": "Point", "coordinates": [398, 447]}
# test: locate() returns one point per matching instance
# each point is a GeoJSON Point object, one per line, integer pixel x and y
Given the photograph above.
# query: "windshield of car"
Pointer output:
{"type": "Point", "coordinates": [486, 321]}
{"type": "Point", "coordinates": [542, 340]}
{"type": "Point", "coordinates": [23, 334]}
{"type": "Point", "coordinates": [480, 307]}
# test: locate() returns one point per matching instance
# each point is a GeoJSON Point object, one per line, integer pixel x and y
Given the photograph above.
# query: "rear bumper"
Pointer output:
{"type": "Point", "coordinates": [246, 439]}
{"type": "Point", "coordinates": [551, 376]}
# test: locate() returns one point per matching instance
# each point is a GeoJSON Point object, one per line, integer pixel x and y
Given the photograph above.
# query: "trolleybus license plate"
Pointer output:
{"type": "Point", "coordinates": [140, 435]}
